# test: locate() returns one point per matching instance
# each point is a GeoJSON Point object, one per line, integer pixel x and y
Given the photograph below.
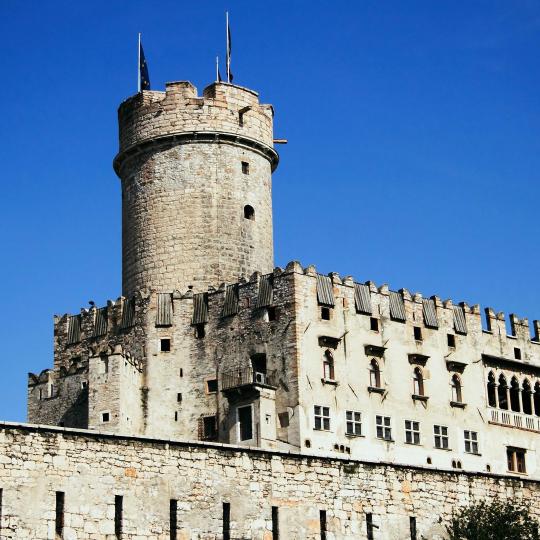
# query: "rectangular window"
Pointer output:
{"type": "Point", "coordinates": [384, 429]}
{"type": "Point", "coordinates": [59, 518]}
{"type": "Point", "coordinates": [369, 526]}
{"type": "Point", "coordinates": [105, 417]}
{"type": "Point", "coordinates": [245, 167]}
{"type": "Point", "coordinates": [412, 432]}
{"type": "Point", "coordinates": [516, 459]}
{"type": "Point", "coordinates": [374, 324]}
{"type": "Point", "coordinates": [245, 423]}
{"type": "Point", "coordinates": [118, 515]}
{"type": "Point", "coordinates": [226, 521]}
{"type": "Point", "coordinates": [451, 340]}
{"type": "Point", "coordinates": [322, 417]}
{"type": "Point", "coordinates": [165, 345]}
{"type": "Point", "coordinates": [275, 523]}
{"type": "Point", "coordinates": [417, 333]}
{"type": "Point", "coordinates": [272, 313]}
{"type": "Point", "coordinates": [173, 519]}
{"type": "Point", "coordinates": [209, 428]}
{"type": "Point", "coordinates": [325, 313]}
{"type": "Point", "coordinates": [354, 423]}
{"type": "Point", "coordinates": [200, 331]}
{"type": "Point", "coordinates": [441, 436]}
{"type": "Point", "coordinates": [517, 353]}
{"type": "Point", "coordinates": [211, 386]}
{"type": "Point", "coordinates": [412, 527]}
{"type": "Point", "coordinates": [322, 523]}
{"type": "Point", "coordinates": [471, 442]}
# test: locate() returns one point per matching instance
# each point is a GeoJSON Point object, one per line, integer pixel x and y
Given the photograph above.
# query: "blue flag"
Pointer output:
{"type": "Point", "coordinates": [143, 70]}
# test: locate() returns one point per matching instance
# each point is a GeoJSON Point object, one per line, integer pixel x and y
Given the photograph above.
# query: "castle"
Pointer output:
{"type": "Point", "coordinates": [221, 397]}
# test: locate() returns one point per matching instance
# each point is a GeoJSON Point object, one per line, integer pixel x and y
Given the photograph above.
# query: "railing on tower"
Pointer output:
{"type": "Point", "coordinates": [514, 419]}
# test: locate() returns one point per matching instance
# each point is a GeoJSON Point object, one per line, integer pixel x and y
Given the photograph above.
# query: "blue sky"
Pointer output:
{"type": "Point", "coordinates": [413, 155]}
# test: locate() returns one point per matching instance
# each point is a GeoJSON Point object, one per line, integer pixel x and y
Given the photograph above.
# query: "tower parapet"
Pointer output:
{"type": "Point", "coordinates": [196, 186]}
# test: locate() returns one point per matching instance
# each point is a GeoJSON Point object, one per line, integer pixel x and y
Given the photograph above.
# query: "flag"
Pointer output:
{"type": "Point", "coordinates": [144, 83]}
{"type": "Point", "coordinates": [229, 46]}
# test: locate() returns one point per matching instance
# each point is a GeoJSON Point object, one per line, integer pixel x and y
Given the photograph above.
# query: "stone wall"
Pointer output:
{"type": "Point", "coordinates": [92, 468]}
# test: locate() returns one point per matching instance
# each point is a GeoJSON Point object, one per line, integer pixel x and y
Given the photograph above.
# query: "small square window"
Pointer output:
{"type": "Point", "coordinates": [440, 434]}
{"type": "Point", "coordinates": [165, 344]}
{"type": "Point", "coordinates": [417, 333]}
{"type": "Point", "coordinates": [451, 340]}
{"type": "Point", "coordinates": [211, 386]}
{"type": "Point", "coordinates": [245, 167]}
{"type": "Point", "coordinates": [105, 417]}
{"type": "Point", "coordinates": [471, 442]}
{"type": "Point", "coordinates": [374, 324]}
{"type": "Point", "coordinates": [325, 313]}
{"type": "Point", "coordinates": [412, 432]}
{"type": "Point", "coordinates": [322, 418]}
{"type": "Point", "coordinates": [383, 427]}
{"type": "Point", "coordinates": [354, 423]}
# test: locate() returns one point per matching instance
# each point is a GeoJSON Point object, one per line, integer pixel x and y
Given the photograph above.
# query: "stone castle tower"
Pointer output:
{"type": "Point", "coordinates": [196, 187]}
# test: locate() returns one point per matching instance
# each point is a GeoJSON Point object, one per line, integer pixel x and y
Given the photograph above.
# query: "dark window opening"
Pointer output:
{"type": "Point", "coordinates": [245, 167]}
{"type": "Point", "coordinates": [179, 397]}
{"type": "Point", "coordinates": [325, 313]}
{"type": "Point", "coordinates": [374, 324]}
{"type": "Point", "coordinates": [492, 390]}
{"type": "Point", "coordinates": [165, 345]}
{"type": "Point", "coordinates": [258, 363]}
{"type": "Point", "coordinates": [369, 526]}
{"type": "Point", "coordinates": [328, 366]}
{"type": "Point", "coordinates": [275, 523]}
{"type": "Point", "coordinates": [209, 427]}
{"type": "Point", "coordinates": [59, 517]}
{"type": "Point", "coordinates": [488, 468]}
{"type": "Point", "coordinates": [283, 419]}
{"type": "Point", "coordinates": [118, 515]}
{"type": "Point", "coordinates": [516, 460]}
{"type": "Point", "coordinates": [181, 373]}
{"type": "Point", "coordinates": [200, 331]}
{"type": "Point", "coordinates": [457, 396]}
{"type": "Point", "coordinates": [451, 340]}
{"type": "Point", "coordinates": [374, 374]}
{"type": "Point", "coordinates": [412, 527]}
{"type": "Point", "coordinates": [245, 423]}
{"type": "Point", "coordinates": [307, 442]}
{"type": "Point", "coordinates": [322, 523]}
{"type": "Point", "coordinates": [272, 313]}
{"type": "Point", "coordinates": [502, 393]}
{"type": "Point", "coordinates": [226, 521]}
{"type": "Point", "coordinates": [517, 353]}
{"type": "Point", "coordinates": [173, 519]}
{"type": "Point", "coordinates": [417, 333]}
{"type": "Point", "coordinates": [428, 461]}
{"type": "Point", "coordinates": [105, 417]}
{"type": "Point", "coordinates": [249, 212]}
{"type": "Point", "coordinates": [211, 386]}
{"type": "Point", "coordinates": [418, 382]}
{"type": "Point", "coordinates": [526, 397]}
{"type": "Point", "coordinates": [176, 416]}
{"type": "Point", "coordinates": [537, 399]}
{"type": "Point", "coordinates": [514, 395]}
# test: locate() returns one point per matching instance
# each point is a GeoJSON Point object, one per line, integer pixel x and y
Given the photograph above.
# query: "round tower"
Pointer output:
{"type": "Point", "coordinates": [196, 178]}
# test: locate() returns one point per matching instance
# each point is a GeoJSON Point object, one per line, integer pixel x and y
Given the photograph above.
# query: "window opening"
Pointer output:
{"type": "Point", "coordinates": [514, 395]}
{"type": "Point", "coordinates": [526, 397]}
{"type": "Point", "coordinates": [173, 519]}
{"type": "Point", "coordinates": [105, 417]}
{"type": "Point", "coordinates": [322, 417]}
{"type": "Point", "coordinates": [249, 212]}
{"type": "Point", "coordinates": [59, 511]}
{"type": "Point", "coordinates": [503, 393]}
{"type": "Point", "coordinates": [441, 437]}
{"type": "Point", "coordinates": [179, 397]}
{"type": "Point", "coordinates": [369, 526]}
{"type": "Point", "coordinates": [412, 527]}
{"type": "Point", "coordinates": [517, 353]}
{"type": "Point", "coordinates": [118, 515]}
{"type": "Point", "coordinates": [412, 432]}
{"type": "Point", "coordinates": [375, 374]}
{"type": "Point", "coordinates": [418, 382]}
{"type": "Point", "coordinates": [456, 389]}
{"type": "Point", "coordinates": [325, 313]}
{"type": "Point", "coordinates": [328, 366]}
{"type": "Point", "coordinates": [451, 340]}
{"type": "Point", "coordinates": [516, 459]}
{"type": "Point", "coordinates": [226, 521]}
{"type": "Point", "coordinates": [417, 333]}
{"type": "Point", "coordinates": [165, 345]}
{"type": "Point", "coordinates": [537, 399]}
{"type": "Point", "coordinates": [209, 428]}
{"type": "Point", "coordinates": [383, 428]}
{"type": "Point", "coordinates": [492, 390]}
{"type": "Point", "coordinates": [322, 523]}
{"type": "Point", "coordinates": [211, 386]}
{"type": "Point", "coordinates": [471, 442]}
{"type": "Point", "coordinates": [272, 313]}
{"type": "Point", "coordinates": [245, 423]}
{"type": "Point", "coordinates": [200, 331]}
{"type": "Point", "coordinates": [354, 423]}
{"type": "Point", "coordinates": [245, 167]}
{"type": "Point", "coordinates": [275, 523]}
{"type": "Point", "coordinates": [374, 324]}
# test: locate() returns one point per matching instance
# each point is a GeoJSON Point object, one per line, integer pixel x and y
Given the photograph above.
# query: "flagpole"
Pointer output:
{"type": "Point", "coordinates": [228, 52]}
{"type": "Point", "coordinates": [139, 65]}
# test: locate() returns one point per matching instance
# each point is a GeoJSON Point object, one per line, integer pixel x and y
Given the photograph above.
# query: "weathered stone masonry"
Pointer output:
{"type": "Point", "coordinates": [92, 468]}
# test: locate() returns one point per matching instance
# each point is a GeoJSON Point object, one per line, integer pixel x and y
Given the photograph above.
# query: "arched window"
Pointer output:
{"type": "Point", "coordinates": [456, 389]}
{"type": "Point", "coordinates": [514, 395]}
{"type": "Point", "coordinates": [418, 382]}
{"type": "Point", "coordinates": [249, 212]}
{"type": "Point", "coordinates": [502, 393]}
{"type": "Point", "coordinates": [328, 366]}
{"type": "Point", "coordinates": [492, 390]}
{"type": "Point", "coordinates": [526, 397]}
{"type": "Point", "coordinates": [374, 374]}
{"type": "Point", "coordinates": [537, 399]}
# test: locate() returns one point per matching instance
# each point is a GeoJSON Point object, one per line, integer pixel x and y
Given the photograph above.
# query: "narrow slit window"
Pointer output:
{"type": "Point", "coordinates": [245, 167]}
{"type": "Point", "coordinates": [412, 527]}
{"type": "Point", "coordinates": [173, 519]}
{"type": "Point", "coordinates": [245, 423]}
{"type": "Point", "coordinates": [118, 515]}
{"type": "Point", "coordinates": [226, 521]}
{"type": "Point", "coordinates": [322, 524]}
{"type": "Point", "coordinates": [275, 523]}
{"type": "Point", "coordinates": [369, 526]}
{"type": "Point", "coordinates": [179, 397]}
{"type": "Point", "coordinates": [59, 517]}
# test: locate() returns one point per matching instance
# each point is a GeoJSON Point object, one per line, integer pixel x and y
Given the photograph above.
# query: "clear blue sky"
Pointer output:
{"type": "Point", "coordinates": [413, 155]}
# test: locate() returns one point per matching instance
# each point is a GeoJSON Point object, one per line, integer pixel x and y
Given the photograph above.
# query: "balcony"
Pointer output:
{"type": "Point", "coordinates": [247, 378]}
{"type": "Point", "coordinates": [514, 420]}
